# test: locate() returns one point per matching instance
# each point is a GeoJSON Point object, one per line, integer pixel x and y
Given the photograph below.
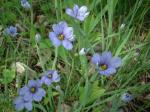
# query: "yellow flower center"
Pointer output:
{"type": "Point", "coordinates": [49, 76]}
{"type": "Point", "coordinates": [61, 37]}
{"type": "Point", "coordinates": [33, 89]}
{"type": "Point", "coordinates": [103, 67]}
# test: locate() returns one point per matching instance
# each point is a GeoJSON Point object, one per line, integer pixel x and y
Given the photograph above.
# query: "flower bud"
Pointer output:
{"type": "Point", "coordinates": [18, 66]}
{"type": "Point", "coordinates": [37, 37]}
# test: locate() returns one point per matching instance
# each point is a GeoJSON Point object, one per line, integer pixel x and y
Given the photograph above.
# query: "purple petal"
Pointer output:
{"type": "Point", "coordinates": [108, 72]}
{"type": "Point", "coordinates": [49, 72]}
{"type": "Point", "coordinates": [23, 90]}
{"type": "Point", "coordinates": [116, 62]}
{"type": "Point", "coordinates": [18, 100]}
{"type": "Point", "coordinates": [37, 98]}
{"type": "Point", "coordinates": [82, 13]}
{"type": "Point", "coordinates": [56, 77]}
{"type": "Point", "coordinates": [68, 32]}
{"type": "Point", "coordinates": [58, 28]}
{"type": "Point", "coordinates": [39, 83]}
{"type": "Point", "coordinates": [28, 96]}
{"type": "Point", "coordinates": [75, 9]}
{"type": "Point", "coordinates": [83, 10]}
{"type": "Point", "coordinates": [70, 12]}
{"type": "Point", "coordinates": [28, 106]}
{"type": "Point", "coordinates": [67, 44]}
{"type": "Point", "coordinates": [32, 83]}
{"type": "Point", "coordinates": [19, 106]}
{"type": "Point", "coordinates": [47, 81]}
{"type": "Point", "coordinates": [81, 16]}
{"type": "Point", "coordinates": [96, 59]}
{"type": "Point", "coordinates": [62, 24]}
{"type": "Point", "coordinates": [43, 78]}
{"type": "Point", "coordinates": [56, 42]}
{"type": "Point", "coordinates": [106, 57]}
{"type": "Point", "coordinates": [39, 94]}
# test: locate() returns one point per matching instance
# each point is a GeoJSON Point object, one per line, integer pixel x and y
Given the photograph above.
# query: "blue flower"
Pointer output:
{"type": "Point", "coordinates": [106, 64]}
{"type": "Point", "coordinates": [12, 31]}
{"type": "Point", "coordinates": [50, 76]}
{"type": "Point", "coordinates": [25, 4]}
{"type": "Point", "coordinates": [78, 13]}
{"type": "Point", "coordinates": [21, 103]}
{"type": "Point", "coordinates": [33, 91]}
{"type": "Point", "coordinates": [62, 35]}
{"type": "Point", "coordinates": [126, 97]}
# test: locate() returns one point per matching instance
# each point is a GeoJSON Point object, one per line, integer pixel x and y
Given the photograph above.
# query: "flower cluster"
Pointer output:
{"type": "Point", "coordinates": [33, 91]}
{"type": "Point", "coordinates": [61, 34]}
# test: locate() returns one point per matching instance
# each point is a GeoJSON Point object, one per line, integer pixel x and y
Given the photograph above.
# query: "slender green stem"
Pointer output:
{"type": "Point", "coordinates": [50, 97]}
{"type": "Point", "coordinates": [69, 78]}
{"type": "Point", "coordinates": [39, 54]}
{"type": "Point", "coordinates": [56, 8]}
{"type": "Point", "coordinates": [18, 82]}
{"type": "Point", "coordinates": [31, 16]}
{"type": "Point", "coordinates": [55, 59]}
{"type": "Point", "coordinates": [6, 88]}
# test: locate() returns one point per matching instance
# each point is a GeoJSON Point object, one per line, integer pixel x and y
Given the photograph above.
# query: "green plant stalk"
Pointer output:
{"type": "Point", "coordinates": [50, 97]}
{"type": "Point", "coordinates": [39, 54]}
{"type": "Point", "coordinates": [68, 82]}
{"type": "Point", "coordinates": [6, 88]}
{"type": "Point", "coordinates": [56, 8]}
{"type": "Point", "coordinates": [55, 59]}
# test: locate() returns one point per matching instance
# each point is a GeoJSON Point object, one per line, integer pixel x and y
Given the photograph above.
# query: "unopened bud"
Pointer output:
{"type": "Point", "coordinates": [37, 37]}
{"type": "Point", "coordinates": [82, 51]}
{"type": "Point", "coordinates": [18, 67]}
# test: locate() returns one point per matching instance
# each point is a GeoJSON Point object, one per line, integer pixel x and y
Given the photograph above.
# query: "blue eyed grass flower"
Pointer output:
{"type": "Point", "coordinates": [62, 35]}
{"type": "Point", "coordinates": [33, 91]}
{"type": "Point", "coordinates": [25, 4]}
{"type": "Point", "coordinates": [105, 63]}
{"type": "Point", "coordinates": [78, 13]}
{"type": "Point", "coordinates": [126, 97]}
{"type": "Point", "coordinates": [12, 31]}
{"type": "Point", "coordinates": [20, 103]}
{"type": "Point", "coordinates": [50, 77]}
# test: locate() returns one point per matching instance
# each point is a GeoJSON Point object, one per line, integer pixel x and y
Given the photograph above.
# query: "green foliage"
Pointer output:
{"type": "Point", "coordinates": [8, 76]}
{"type": "Point", "coordinates": [82, 89]}
{"type": "Point", "coordinates": [11, 17]}
{"type": "Point", "coordinates": [6, 103]}
{"type": "Point", "coordinates": [94, 93]}
{"type": "Point", "coordinates": [44, 44]}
